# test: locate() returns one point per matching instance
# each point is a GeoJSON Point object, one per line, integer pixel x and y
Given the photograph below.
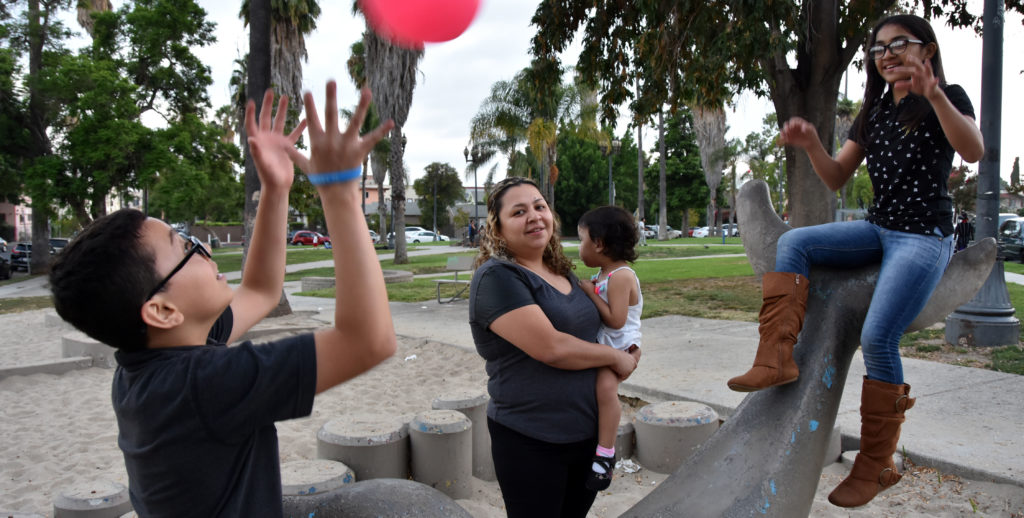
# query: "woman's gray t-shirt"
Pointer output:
{"type": "Point", "coordinates": [529, 396]}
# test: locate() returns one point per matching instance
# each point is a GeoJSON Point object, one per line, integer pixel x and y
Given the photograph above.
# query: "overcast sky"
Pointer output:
{"type": "Point", "coordinates": [456, 76]}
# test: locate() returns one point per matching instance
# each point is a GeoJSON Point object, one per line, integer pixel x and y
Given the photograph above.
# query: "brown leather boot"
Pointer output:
{"type": "Point", "coordinates": [782, 317]}
{"type": "Point", "coordinates": [881, 414]}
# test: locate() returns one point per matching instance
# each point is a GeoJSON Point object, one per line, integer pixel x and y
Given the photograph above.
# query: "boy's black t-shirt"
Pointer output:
{"type": "Point", "coordinates": [196, 424]}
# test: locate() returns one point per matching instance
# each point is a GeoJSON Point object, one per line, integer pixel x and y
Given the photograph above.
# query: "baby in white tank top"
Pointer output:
{"type": "Point", "coordinates": [608, 241]}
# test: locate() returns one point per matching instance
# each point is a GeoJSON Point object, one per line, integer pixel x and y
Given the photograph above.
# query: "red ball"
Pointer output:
{"type": "Point", "coordinates": [411, 23]}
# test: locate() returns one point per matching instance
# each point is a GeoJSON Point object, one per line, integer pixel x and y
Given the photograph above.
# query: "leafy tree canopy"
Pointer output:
{"type": "Point", "coordinates": [685, 188]}
{"type": "Point", "coordinates": [445, 181]}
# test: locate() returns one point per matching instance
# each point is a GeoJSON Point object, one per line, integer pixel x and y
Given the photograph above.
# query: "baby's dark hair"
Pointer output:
{"type": "Point", "coordinates": [100, 280]}
{"type": "Point", "coordinates": [614, 227]}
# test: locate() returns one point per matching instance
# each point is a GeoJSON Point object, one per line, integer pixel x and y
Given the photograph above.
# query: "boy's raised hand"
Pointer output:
{"type": "Point", "coordinates": [330, 149]}
{"type": "Point", "coordinates": [268, 143]}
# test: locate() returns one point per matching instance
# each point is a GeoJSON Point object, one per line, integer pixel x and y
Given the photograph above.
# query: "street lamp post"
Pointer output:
{"type": "Point", "coordinates": [608, 151]}
{"type": "Point", "coordinates": [987, 319]}
{"type": "Point", "coordinates": [435, 207]}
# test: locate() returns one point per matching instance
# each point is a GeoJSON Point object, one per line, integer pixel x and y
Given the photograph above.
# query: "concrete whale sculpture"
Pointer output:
{"type": "Point", "coordinates": [766, 459]}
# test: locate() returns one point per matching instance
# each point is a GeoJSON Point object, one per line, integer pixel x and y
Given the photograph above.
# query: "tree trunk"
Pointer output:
{"type": "Point", "coordinates": [398, 195]}
{"type": "Point", "coordinates": [662, 184]}
{"type": "Point", "coordinates": [259, 70]}
{"type": "Point", "coordinates": [640, 170]}
{"type": "Point", "coordinates": [710, 126]}
{"type": "Point", "coordinates": [40, 139]}
{"type": "Point", "coordinates": [810, 91]}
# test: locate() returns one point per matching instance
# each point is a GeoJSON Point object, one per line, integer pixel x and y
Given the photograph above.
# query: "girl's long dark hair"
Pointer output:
{"type": "Point", "coordinates": [874, 89]}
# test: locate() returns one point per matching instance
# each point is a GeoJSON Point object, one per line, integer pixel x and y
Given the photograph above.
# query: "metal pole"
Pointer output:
{"type": "Point", "coordinates": [611, 193]}
{"type": "Point", "coordinates": [987, 320]}
{"type": "Point", "coordinates": [435, 208]}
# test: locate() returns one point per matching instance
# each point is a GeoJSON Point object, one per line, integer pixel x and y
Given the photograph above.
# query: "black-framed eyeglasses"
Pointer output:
{"type": "Point", "coordinates": [192, 246]}
{"type": "Point", "coordinates": [896, 47]}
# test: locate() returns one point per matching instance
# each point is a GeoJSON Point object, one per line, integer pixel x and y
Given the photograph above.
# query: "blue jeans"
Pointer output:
{"type": "Point", "coordinates": [912, 265]}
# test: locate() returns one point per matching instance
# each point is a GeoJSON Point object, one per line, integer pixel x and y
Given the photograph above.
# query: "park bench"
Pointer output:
{"type": "Point", "coordinates": [456, 264]}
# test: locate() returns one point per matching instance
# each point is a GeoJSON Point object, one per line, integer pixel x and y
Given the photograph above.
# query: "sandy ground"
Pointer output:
{"type": "Point", "coordinates": [61, 429]}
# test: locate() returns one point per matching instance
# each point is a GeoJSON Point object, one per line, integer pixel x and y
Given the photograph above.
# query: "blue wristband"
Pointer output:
{"type": "Point", "coordinates": [335, 177]}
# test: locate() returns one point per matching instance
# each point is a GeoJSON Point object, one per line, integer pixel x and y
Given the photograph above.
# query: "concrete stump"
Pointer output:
{"type": "Point", "coordinates": [625, 438]}
{"type": "Point", "coordinates": [78, 344]}
{"type": "Point", "coordinates": [372, 448]}
{"type": "Point", "coordinates": [382, 497]}
{"type": "Point", "coordinates": [474, 405]}
{"type": "Point", "coordinates": [308, 477]}
{"type": "Point", "coordinates": [669, 432]}
{"type": "Point", "coordinates": [834, 449]}
{"type": "Point", "coordinates": [442, 451]}
{"type": "Point", "coordinates": [93, 499]}
{"type": "Point", "coordinates": [317, 283]}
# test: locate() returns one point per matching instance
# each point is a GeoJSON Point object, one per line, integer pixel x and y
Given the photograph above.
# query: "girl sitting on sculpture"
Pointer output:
{"type": "Point", "coordinates": [909, 133]}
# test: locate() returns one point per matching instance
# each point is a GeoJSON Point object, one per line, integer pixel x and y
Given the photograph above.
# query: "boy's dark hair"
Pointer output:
{"type": "Point", "coordinates": [614, 227]}
{"type": "Point", "coordinates": [101, 279]}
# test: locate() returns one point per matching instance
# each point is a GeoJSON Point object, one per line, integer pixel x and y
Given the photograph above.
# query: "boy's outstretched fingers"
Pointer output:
{"type": "Point", "coordinates": [330, 149]}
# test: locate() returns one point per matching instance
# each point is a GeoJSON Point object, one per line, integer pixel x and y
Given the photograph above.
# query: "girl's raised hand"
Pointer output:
{"type": "Point", "coordinates": [798, 132]}
{"type": "Point", "coordinates": [330, 149]}
{"type": "Point", "coordinates": [922, 78]}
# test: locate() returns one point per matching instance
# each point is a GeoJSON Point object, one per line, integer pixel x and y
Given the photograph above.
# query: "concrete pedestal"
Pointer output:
{"type": "Point", "coordinates": [77, 344]}
{"type": "Point", "coordinates": [372, 448]}
{"type": "Point", "coordinates": [474, 405]}
{"type": "Point", "coordinates": [625, 439]}
{"type": "Point", "coordinates": [442, 451]}
{"type": "Point", "coordinates": [93, 499]}
{"type": "Point", "coordinates": [309, 477]}
{"type": "Point", "coordinates": [667, 433]}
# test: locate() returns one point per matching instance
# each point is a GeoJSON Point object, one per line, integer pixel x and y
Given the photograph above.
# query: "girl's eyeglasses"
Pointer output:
{"type": "Point", "coordinates": [192, 246]}
{"type": "Point", "coordinates": [896, 47]}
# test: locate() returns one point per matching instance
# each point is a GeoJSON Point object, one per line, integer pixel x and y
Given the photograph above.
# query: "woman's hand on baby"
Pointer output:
{"type": "Point", "coordinates": [625, 364]}
{"type": "Point", "coordinates": [587, 285]}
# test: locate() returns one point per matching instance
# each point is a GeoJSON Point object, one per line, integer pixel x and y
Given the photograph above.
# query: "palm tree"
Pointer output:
{"type": "Point", "coordinates": [85, 10]}
{"type": "Point", "coordinates": [516, 112]}
{"type": "Point", "coordinates": [710, 126]}
{"type": "Point", "coordinates": [391, 74]}
{"type": "Point", "coordinates": [290, 22]}
{"type": "Point", "coordinates": [378, 158]}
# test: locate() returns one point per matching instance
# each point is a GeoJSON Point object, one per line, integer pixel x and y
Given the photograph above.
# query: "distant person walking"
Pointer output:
{"type": "Point", "coordinates": [964, 232]}
{"type": "Point", "coordinates": [641, 227]}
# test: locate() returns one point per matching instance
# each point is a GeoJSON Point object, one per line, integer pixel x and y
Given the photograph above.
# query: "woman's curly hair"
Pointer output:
{"type": "Point", "coordinates": [493, 245]}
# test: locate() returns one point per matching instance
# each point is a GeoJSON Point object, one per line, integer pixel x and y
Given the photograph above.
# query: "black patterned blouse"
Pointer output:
{"type": "Point", "coordinates": [909, 167]}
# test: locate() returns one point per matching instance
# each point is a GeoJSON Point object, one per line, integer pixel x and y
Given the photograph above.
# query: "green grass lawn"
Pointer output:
{"type": "Point", "coordinates": [698, 283]}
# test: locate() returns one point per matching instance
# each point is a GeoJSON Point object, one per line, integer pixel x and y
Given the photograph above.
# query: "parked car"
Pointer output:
{"type": "Point", "coordinates": [20, 256]}
{"type": "Point", "coordinates": [730, 229]}
{"type": "Point", "coordinates": [700, 232]}
{"type": "Point", "coordinates": [650, 231]}
{"type": "Point", "coordinates": [423, 236]}
{"type": "Point", "coordinates": [670, 232]}
{"type": "Point", "coordinates": [309, 237]}
{"type": "Point", "coordinates": [57, 245]}
{"type": "Point", "coordinates": [1010, 238]}
{"type": "Point", "coordinates": [5, 260]}
{"type": "Point", "coordinates": [374, 237]}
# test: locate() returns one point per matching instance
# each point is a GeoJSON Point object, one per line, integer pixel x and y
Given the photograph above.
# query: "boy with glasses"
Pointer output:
{"type": "Point", "coordinates": [196, 418]}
